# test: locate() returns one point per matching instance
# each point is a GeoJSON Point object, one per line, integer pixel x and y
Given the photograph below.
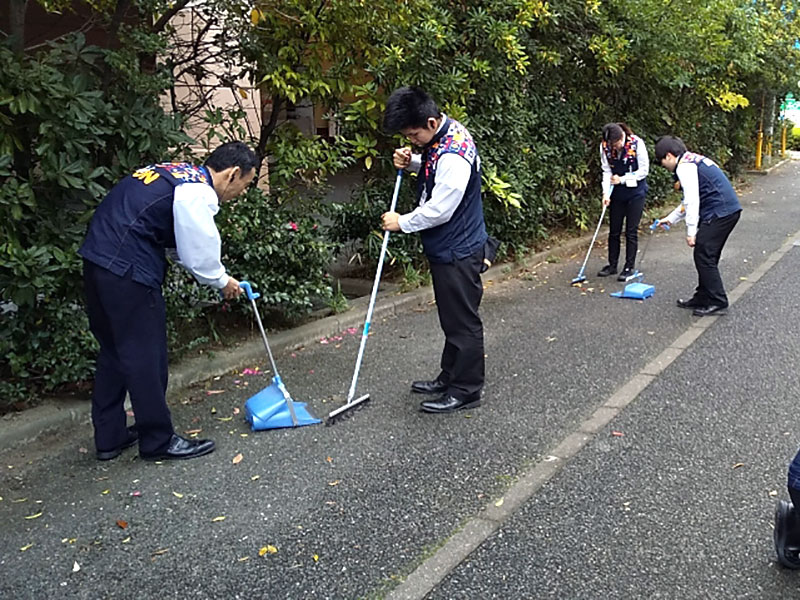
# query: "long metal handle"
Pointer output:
{"type": "Point", "coordinates": [375, 284]}
{"type": "Point", "coordinates": [596, 231]}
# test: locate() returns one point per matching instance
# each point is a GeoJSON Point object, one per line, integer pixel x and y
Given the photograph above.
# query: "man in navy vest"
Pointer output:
{"type": "Point", "coordinates": [449, 218]}
{"type": "Point", "coordinates": [711, 209]}
{"type": "Point", "coordinates": [161, 208]}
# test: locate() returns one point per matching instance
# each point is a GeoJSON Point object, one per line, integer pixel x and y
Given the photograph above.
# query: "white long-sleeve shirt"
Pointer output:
{"type": "Point", "coordinates": [197, 239]}
{"type": "Point", "coordinates": [689, 208]}
{"type": "Point", "coordinates": [452, 176]}
{"type": "Point", "coordinates": [641, 156]}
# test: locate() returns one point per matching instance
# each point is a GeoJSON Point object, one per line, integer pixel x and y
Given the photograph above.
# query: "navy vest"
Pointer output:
{"type": "Point", "coordinates": [465, 233]}
{"type": "Point", "coordinates": [134, 224]}
{"type": "Point", "coordinates": [626, 163]}
{"type": "Point", "coordinates": [717, 196]}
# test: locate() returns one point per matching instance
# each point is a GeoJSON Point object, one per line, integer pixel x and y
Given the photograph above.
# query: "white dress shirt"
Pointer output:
{"type": "Point", "coordinates": [641, 156]}
{"type": "Point", "coordinates": [689, 208]}
{"type": "Point", "coordinates": [452, 176]}
{"type": "Point", "coordinates": [197, 239]}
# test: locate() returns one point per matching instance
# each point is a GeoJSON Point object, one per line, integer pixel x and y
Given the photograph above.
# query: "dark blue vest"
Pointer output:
{"type": "Point", "coordinates": [465, 233]}
{"type": "Point", "coordinates": [717, 196]}
{"type": "Point", "coordinates": [623, 164]}
{"type": "Point", "coordinates": [133, 224]}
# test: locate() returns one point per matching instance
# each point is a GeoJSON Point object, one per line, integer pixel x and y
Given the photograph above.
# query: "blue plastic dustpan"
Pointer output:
{"type": "Point", "coordinates": [272, 408]}
{"type": "Point", "coordinates": [637, 291]}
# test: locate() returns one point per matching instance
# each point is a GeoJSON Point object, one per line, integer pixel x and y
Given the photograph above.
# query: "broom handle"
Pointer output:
{"type": "Point", "coordinates": [375, 284]}
{"type": "Point", "coordinates": [596, 231]}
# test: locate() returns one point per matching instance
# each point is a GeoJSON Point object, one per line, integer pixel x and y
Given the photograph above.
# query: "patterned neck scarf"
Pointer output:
{"type": "Point", "coordinates": [627, 154]}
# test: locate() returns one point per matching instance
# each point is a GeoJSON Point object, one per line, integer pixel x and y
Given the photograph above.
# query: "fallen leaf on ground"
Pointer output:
{"type": "Point", "coordinates": [329, 459]}
{"type": "Point", "coordinates": [773, 493]}
{"type": "Point", "coordinates": [136, 494]}
{"type": "Point", "coordinates": [26, 547]}
{"type": "Point", "coordinates": [236, 411]}
{"type": "Point", "coordinates": [122, 524]}
{"type": "Point", "coordinates": [255, 477]}
{"type": "Point", "coordinates": [104, 492]}
{"type": "Point", "coordinates": [244, 558]}
{"type": "Point", "coordinates": [316, 558]}
{"type": "Point", "coordinates": [36, 516]}
{"type": "Point", "coordinates": [212, 392]}
{"type": "Point", "coordinates": [217, 519]}
{"type": "Point", "coordinates": [162, 551]}
{"type": "Point", "coordinates": [267, 549]}
{"type": "Point", "coordinates": [737, 465]}
{"type": "Point", "coordinates": [617, 434]}
{"type": "Point", "coordinates": [192, 431]}
{"type": "Point", "coordinates": [332, 483]}
{"type": "Point", "coordinates": [75, 567]}
{"type": "Point", "coordinates": [237, 459]}
{"type": "Point", "coordinates": [83, 450]}
{"type": "Point", "coordinates": [499, 502]}
{"type": "Point", "coordinates": [224, 418]}
{"type": "Point", "coordinates": [20, 500]}
{"type": "Point", "coordinates": [177, 494]}
{"type": "Point", "coordinates": [126, 540]}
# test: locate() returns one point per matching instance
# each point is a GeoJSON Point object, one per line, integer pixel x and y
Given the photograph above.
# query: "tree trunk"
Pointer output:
{"type": "Point", "coordinates": [16, 19]}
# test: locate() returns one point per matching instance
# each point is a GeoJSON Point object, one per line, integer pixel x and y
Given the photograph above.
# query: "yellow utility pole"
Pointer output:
{"type": "Point", "coordinates": [760, 142]}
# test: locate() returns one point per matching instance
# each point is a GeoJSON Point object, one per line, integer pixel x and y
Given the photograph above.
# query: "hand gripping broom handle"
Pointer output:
{"type": "Point", "coordinates": [375, 284]}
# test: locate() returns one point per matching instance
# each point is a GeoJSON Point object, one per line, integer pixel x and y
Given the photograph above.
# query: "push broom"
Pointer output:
{"type": "Point", "coordinates": [352, 403]}
{"type": "Point", "coordinates": [581, 278]}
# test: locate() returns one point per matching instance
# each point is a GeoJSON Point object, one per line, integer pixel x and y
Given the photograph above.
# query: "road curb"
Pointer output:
{"type": "Point", "coordinates": [61, 415]}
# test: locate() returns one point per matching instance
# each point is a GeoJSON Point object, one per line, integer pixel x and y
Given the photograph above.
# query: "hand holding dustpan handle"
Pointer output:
{"type": "Point", "coordinates": [248, 289]}
{"type": "Point", "coordinates": [657, 222]}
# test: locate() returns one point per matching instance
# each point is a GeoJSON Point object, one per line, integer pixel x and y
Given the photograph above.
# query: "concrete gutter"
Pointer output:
{"type": "Point", "coordinates": [61, 415]}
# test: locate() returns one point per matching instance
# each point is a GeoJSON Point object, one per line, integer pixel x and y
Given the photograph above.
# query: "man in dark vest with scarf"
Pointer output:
{"type": "Point", "coordinates": [711, 209]}
{"type": "Point", "coordinates": [161, 208]}
{"type": "Point", "coordinates": [449, 217]}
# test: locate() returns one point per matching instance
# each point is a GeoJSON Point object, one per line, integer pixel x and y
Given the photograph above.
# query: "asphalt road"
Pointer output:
{"type": "Point", "coordinates": [678, 506]}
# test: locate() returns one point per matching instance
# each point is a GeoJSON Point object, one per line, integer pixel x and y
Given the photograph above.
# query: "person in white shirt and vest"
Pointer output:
{"type": "Point", "coordinates": [449, 217]}
{"type": "Point", "coordinates": [159, 209]}
{"type": "Point", "coordinates": [711, 209]}
{"type": "Point", "coordinates": [625, 165]}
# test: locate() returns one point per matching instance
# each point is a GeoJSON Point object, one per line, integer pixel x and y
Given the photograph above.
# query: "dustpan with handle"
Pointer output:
{"type": "Point", "coordinates": [273, 407]}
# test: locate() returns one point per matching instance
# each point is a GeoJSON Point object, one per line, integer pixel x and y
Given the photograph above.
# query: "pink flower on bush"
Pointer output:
{"type": "Point", "coordinates": [293, 225]}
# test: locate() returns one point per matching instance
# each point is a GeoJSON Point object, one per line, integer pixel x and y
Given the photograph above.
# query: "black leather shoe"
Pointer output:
{"type": "Point", "coordinates": [446, 404]}
{"type": "Point", "coordinates": [180, 448]}
{"type": "Point", "coordinates": [429, 387]}
{"type": "Point", "coordinates": [606, 271]}
{"type": "Point", "coordinates": [706, 311]}
{"type": "Point", "coordinates": [626, 272]}
{"type": "Point", "coordinates": [787, 535]}
{"type": "Point", "coordinates": [133, 437]}
{"type": "Point", "coordinates": [690, 303]}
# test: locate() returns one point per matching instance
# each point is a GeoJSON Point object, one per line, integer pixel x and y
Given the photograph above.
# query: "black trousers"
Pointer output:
{"type": "Point", "coordinates": [458, 290]}
{"type": "Point", "coordinates": [630, 210]}
{"type": "Point", "coordinates": [129, 321]}
{"type": "Point", "coordinates": [710, 239]}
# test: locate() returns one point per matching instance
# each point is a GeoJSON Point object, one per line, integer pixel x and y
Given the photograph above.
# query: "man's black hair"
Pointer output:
{"type": "Point", "coordinates": [669, 144]}
{"type": "Point", "coordinates": [232, 154]}
{"type": "Point", "coordinates": [409, 106]}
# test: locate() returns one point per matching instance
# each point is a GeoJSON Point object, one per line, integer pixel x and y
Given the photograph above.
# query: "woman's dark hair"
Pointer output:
{"type": "Point", "coordinates": [409, 106]}
{"type": "Point", "coordinates": [669, 144]}
{"type": "Point", "coordinates": [232, 154]}
{"type": "Point", "coordinates": [615, 131]}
